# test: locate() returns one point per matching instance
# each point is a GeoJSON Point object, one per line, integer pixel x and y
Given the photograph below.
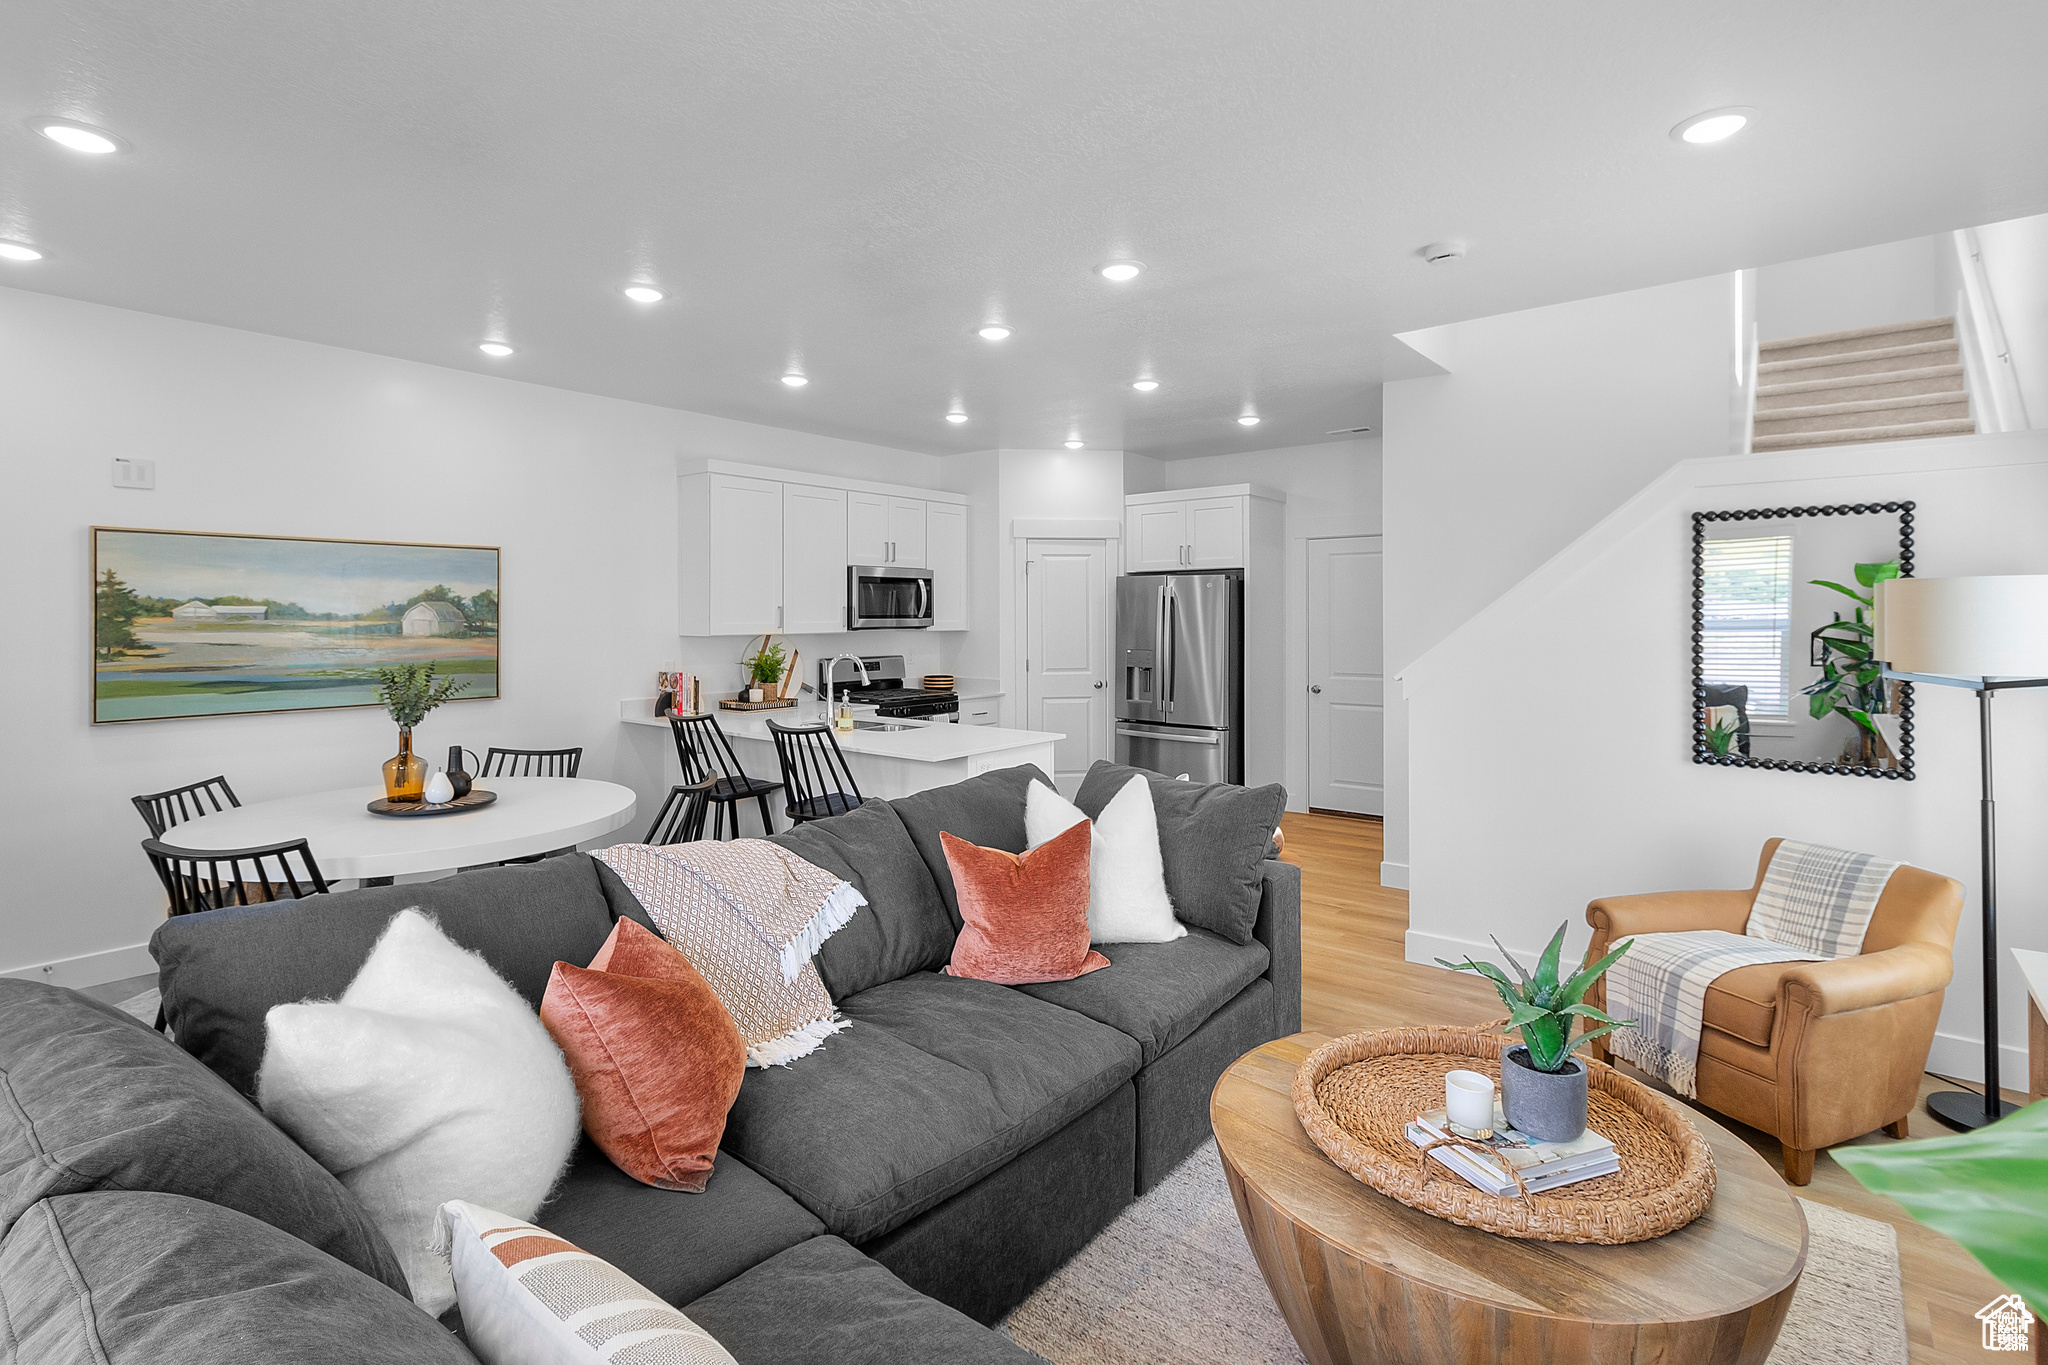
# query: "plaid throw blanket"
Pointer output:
{"type": "Point", "coordinates": [1818, 898]}
{"type": "Point", "coordinates": [1661, 983]}
{"type": "Point", "coordinates": [750, 916]}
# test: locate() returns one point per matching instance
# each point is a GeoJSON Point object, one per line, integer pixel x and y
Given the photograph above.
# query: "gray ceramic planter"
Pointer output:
{"type": "Point", "coordinates": [1548, 1106]}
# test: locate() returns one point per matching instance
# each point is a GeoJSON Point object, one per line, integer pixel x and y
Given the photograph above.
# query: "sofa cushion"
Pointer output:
{"type": "Point", "coordinates": [91, 1099]}
{"type": "Point", "coordinates": [678, 1245]}
{"type": "Point", "coordinates": [823, 1303]}
{"type": "Point", "coordinates": [904, 927]}
{"type": "Point", "coordinates": [1744, 1003]}
{"type": "Point", "coordinates": [134, 1278]}
{"type": "Point", "coordinates": [987, 810]}
{"type": "Point", "coordinates": [222, 970]}
{"type": "Point", "coordinates": [1213, 838]}
{"type": "Point", "coordinates": [940, 1080]}
{"type": "Point", "coordinates": [1159, 993]}
{"type": "Point", "coordinates": [1024, 916]}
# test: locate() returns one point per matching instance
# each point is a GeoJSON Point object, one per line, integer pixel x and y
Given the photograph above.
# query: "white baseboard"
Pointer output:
{"type": "Point", "coordinates": [1394, 875]}
{"type": "Point", "coordinates": [1426, 948]}
{"type": "Point", "coordinates": [1963, 1058]}
{"type": "Point", "coordinates": [91, 969]}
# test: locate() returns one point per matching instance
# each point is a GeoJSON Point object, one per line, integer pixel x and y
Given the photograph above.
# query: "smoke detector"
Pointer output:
{"type": "Point", "coordinates": [1436, 253]}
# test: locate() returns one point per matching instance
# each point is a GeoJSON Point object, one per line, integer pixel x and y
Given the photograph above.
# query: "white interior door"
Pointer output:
{"type": "Point", "coordinates": [1067, 637]}
{"type": "Point", "coordinates": [1346, 682]}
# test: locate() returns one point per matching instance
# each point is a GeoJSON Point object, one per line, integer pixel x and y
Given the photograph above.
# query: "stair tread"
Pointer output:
{"type": "Point", "coordinates": [1853, 334]}
{"type": "Point", "coordinates": [1904, 431]}
{"type": "Point", "coordinates": [1860, 380]}
{"type": "Point", "coordinates": [1812, 362]}
{"type": "Point", "coordinates": [1894, 403]}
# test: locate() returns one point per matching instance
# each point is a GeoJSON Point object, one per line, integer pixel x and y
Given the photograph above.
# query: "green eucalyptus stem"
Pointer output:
{"type": "Point", "coordinates": [409, 691]}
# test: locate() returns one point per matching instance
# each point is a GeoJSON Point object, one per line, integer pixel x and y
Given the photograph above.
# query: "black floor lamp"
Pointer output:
{"type": "Point", "coordinates": [1989, 635]}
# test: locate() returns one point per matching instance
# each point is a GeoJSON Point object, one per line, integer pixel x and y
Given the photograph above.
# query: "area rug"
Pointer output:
{"type": "Point", "coordinates": [1171, 1282]}
{"type": "Point", "coordinates": [144, 1006]}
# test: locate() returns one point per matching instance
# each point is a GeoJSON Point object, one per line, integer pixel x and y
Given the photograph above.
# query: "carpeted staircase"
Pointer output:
{"type": "Point", "coordinates": [1888, 383]}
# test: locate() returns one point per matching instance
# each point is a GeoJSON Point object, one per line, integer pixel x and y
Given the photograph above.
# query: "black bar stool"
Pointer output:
{"type": "Point", "coordinates": [708, 761]}
{"type": "Point", "coordinates": [681, 817]}
{"type": "Point", "coordinates": [164, 810]}
{"type": "Point", "coordinates": [815, 772]}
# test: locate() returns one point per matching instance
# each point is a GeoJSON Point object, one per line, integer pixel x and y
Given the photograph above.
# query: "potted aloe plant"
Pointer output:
{"type": "Point", "coordinates": [1542, 1086]}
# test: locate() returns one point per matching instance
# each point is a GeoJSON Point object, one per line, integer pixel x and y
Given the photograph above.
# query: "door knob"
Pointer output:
{"type": "Point", "coordinates": [1098, 682]}
{"type": "Point", "coordinates": [1315, 687]}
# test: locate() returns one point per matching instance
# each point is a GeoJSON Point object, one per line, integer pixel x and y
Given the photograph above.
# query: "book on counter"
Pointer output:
{"type": "Point", "coordinates": [1543, 1165]}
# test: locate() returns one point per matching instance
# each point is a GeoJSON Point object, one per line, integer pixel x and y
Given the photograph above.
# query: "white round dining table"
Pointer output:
{"type": "Point", "coordinates": [531, 815]}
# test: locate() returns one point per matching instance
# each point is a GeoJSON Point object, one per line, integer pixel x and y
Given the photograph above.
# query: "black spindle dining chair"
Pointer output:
{"type": "Point", "coordinates": [165, 810]}
{"type": "Point", "coordinates": [708, 760]}
{"type": "Point", "coordinates": [531, 762]}
{"type": "Point", "coordinates": [814, 771]}
{"type": "Point", "coordinates": [208, 878]}
{"type": "Point", "coordinates": [681, 817]}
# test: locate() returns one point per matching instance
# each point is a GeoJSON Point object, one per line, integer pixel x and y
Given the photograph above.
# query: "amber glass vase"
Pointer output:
{"type": "Point", "coordinates": [405, 777]}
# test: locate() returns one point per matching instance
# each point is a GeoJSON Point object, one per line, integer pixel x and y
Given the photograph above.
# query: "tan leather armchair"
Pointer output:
{"type": "Point", "coordinates": [1814, 1053]}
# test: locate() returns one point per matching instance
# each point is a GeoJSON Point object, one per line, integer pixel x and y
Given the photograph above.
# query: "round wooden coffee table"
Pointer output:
{"type": "Point", "coordinates": [1364, 1278]}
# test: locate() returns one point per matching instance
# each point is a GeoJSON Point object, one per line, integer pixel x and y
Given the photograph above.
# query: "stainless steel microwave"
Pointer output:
{"type": "Point", "coordinates": [888, 597]}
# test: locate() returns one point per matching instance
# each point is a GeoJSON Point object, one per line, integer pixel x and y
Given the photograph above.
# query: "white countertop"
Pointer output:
{"type": "Point", "coordinates": [923, 742]}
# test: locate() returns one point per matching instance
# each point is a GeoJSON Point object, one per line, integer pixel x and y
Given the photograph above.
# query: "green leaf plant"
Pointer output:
{"type": "Point", "coordinates": [409, 691]}
{"type": "Point", "coordinates": [1852, 683]}
{"type": "Point", "coordinates": [1721, 736]}
{"type": "Point", "coordinates": [1987, 1189]}
{"type": "Point", "coordinates": [1545, 1008]}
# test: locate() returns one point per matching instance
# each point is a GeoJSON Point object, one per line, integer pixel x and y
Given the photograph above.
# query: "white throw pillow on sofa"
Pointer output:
{"type": "Point", "coordinates": [430, 1079]}
{"type": "Point", "coordinates": [1127, 900]}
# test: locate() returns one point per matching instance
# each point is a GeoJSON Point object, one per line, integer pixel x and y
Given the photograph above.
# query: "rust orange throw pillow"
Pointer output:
{"type": "Point", "coordinates": [656, 1059]}
{"type": "Point", "coordinates": [1025, 914]}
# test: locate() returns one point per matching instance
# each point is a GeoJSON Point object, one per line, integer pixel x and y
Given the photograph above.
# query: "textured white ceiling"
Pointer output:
{"type": "Point", "coordinates": [852, 187]}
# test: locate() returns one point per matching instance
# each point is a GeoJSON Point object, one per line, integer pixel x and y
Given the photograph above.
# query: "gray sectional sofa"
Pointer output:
{"type": "Point", "coordinates": [879, 1200]}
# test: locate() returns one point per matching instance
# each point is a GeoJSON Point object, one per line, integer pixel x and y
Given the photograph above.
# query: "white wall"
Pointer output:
{"type": "Point", "coordinates": [1332, 489]}
{"type": "Point", "coordinates": [258, 434]}
{"type": "Point", "coordinates": [1546, 422]}
{"type": "Point", "coordinates": [1870, 287]}
{"type": "Point", "coordinates": [1517, 824]}
{"type": "Point", "coordinates": [2015, 256]}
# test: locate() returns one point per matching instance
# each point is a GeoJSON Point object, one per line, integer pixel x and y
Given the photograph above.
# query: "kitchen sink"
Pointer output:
{"type": "Point", "coordinates": [881, 725]}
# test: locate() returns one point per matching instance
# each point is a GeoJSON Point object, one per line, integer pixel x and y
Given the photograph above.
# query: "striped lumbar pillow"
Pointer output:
{"type": "Point", "coordinates": [529, 1298]}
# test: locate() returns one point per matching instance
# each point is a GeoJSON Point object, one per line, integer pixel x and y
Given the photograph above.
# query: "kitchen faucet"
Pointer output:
{"type": "Point", "coordinates": [832, 671]}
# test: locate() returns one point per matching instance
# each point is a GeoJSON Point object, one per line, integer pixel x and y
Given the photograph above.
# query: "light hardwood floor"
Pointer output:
{"type": "Point", "coordinates": [1355, 976]}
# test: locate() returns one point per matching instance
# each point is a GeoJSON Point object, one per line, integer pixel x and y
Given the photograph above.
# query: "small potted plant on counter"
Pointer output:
{"type": "Point", "coordinates": [1542, 1086]}
{"type": "Point", "coordinates": [765, 670]}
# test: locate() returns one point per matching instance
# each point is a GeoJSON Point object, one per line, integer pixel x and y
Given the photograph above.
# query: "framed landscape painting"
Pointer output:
{"type": "Point", "coordinates": [187, 623]}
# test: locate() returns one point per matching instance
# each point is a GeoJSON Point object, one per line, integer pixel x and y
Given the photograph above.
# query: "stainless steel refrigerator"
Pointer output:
{"type": "Point", "coordinates": [1180, 674]}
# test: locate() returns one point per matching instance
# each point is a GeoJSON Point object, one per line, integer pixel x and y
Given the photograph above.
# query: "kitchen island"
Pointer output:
{"type": "Point", "coordinates": [911, 756]}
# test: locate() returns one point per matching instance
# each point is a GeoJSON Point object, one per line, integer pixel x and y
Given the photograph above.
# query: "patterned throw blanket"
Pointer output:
{"type": "Point", "coordinates": [1814, 904]}
{"type": "Point", "coordinates": [750, 916]}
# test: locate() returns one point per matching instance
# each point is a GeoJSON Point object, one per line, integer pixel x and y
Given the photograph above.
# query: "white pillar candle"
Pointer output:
{"type": "Point", "coordinates": [1468, 1100]}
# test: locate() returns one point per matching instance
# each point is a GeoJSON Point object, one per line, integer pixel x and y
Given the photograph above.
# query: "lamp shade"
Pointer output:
{"type": "Point", "coordinates": [1994, 627]}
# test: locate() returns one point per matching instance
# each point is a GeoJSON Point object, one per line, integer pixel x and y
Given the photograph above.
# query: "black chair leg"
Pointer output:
{"type": "Point", "coordinates": [767, 820]}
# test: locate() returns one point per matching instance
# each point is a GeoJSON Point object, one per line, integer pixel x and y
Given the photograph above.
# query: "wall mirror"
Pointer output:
{"type": "Point", "coordinates": [1781, 634]}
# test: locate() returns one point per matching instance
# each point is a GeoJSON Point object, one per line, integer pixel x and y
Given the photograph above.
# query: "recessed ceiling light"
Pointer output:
{"type": "Point", "coordinates": [1075, 445]}
{"type": "Point", "coordinates": [642, 293]}
{"type": "Point", "coordinates": [78, 137]}
{"type": "Point", "coordinates": [1716, 125]}
{"type": "Point", "coordinates": [956, 417]}
{"type": "Point", "coordinates": [19, 251]}
{"type": "Point", "coordinates": [1145, 385]}
{"type": "Point", "coordinates": [796, 381]}
{"type": "Point", "coordinates": [1248, 420]}
{"type": "Point", "coordinates": [1119, 271]}
{"type": "Point", "coordinates": [995, 331]}
{"type": "Point", "coordinates": [497, 350]}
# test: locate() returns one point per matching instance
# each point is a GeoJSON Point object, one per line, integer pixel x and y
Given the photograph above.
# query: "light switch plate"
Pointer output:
{"type": "Point", "coordinates": [134, 473]}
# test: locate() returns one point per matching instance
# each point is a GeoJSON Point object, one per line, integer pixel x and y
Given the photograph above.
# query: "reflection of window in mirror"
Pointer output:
{"type": "Point", "coordinates": [1745, 635]}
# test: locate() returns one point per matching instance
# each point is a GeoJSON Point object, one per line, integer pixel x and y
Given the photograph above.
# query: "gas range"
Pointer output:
{"type": "Point", "coordinates": [884, 690]}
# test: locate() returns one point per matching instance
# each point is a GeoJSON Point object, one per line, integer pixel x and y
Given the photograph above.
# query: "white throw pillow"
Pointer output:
{"type": "Point", "coordinates": [429, 1080]}
{"type": "Point", "coordinates": [1127, 900]}
{"type": "Point", "coordinates": [530, 1298]}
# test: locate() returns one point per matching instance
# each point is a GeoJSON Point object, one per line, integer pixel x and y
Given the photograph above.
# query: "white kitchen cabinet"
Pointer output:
{"type": "Point", "coordinates": [731, 555]}
{"type": "Point", "coordinates": [1155, 537]}
{"type": "Point", "coordinates": [1215, 532]}
{"type": "Point", "coordinates": [906, 533]}
{"type": "Point", "coordinates": [982, 711]}
{"type": "Point", "coordinates": [945, 554]}
{"type": "Point", "coordinates": [814, 528]}
{"type": "Point", "coordinates": [867, 528]}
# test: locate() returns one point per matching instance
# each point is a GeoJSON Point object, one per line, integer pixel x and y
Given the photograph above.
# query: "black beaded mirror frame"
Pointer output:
{"type": "Point", "coordinates": [1702, 752]}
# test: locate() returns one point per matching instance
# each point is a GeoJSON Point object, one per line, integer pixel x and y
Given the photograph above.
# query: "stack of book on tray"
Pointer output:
{"type": "Point", "coordinates": [1543, 1165]}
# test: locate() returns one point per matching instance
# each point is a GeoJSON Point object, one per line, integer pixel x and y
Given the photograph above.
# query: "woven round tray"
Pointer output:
{"type": "Point", "coordinates": [1356, 1095]}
